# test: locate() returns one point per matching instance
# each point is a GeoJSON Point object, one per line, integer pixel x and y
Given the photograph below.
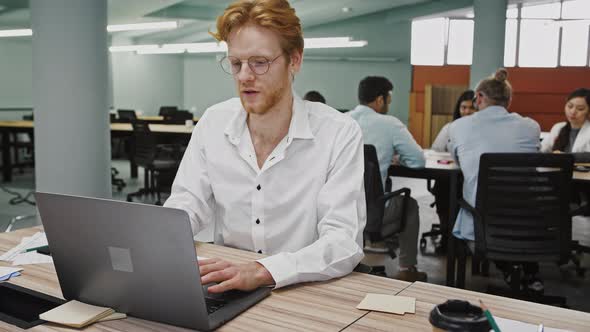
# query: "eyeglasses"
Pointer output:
{"type": "Point", "coordinates": [258, 64]}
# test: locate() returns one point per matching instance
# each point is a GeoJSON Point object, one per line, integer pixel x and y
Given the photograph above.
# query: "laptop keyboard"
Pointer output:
{"type": "Point", "coordinates": [214, 304]}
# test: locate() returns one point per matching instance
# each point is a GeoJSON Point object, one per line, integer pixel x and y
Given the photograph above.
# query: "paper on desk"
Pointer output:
{"type": "Point", "coordinates": [9, 272]}
{"type": "Point", "coordinates": [388, 303]}
{"type": "Point", "coordinates": [513, 325]}
{"type": "Point", "coordinates": [32, 257]}
{"type": "Point", "coordinates": [113, 316]}
{"type": "Point", "coordinates": [76, 314]}
{"type": "Point", "coordinates": [37, 240]}
{"type": "Point", "coordinates": [432, 154]}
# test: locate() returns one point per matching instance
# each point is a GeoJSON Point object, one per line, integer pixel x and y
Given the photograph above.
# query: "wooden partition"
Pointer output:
{"type": "Point", "coordinates": [439, 104]}
{"type": "Point", "coordinates": [539, 93]}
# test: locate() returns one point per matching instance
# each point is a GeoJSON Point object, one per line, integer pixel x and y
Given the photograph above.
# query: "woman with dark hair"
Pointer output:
{"type": "Point", "coordinates": [463, 107]}
{"type": "Point", "coordinates": [573, 135]}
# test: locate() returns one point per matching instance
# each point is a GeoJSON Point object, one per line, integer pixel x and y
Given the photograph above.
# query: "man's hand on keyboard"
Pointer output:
{"type": "Point", "coordinates": [245, 277]}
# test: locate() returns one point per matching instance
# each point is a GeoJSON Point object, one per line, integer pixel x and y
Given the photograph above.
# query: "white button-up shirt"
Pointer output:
{"type": "Point", "coordinates": [305, 207]}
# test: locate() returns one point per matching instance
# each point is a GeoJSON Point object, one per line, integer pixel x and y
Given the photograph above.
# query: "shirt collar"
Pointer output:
{"type": "Point", "coordinates": [364, 108]}
{"type": "Point", "coordinates": [494, 109]}
{"type": "Point", "coordinates": [298, 128]}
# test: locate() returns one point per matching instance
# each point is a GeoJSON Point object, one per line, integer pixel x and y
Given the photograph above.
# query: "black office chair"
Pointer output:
{"type": "Point", "coordinates": [438, 231]}
{"type": "Point", "coordinates": [165, 110]}
{"type": "Point", "coordinates": [178, 117]}
{"type": "Point", "coordinates": [126, 115]}
{"type": "Point", "coordinates": [156, 159]}
{"type": "Point", "coordinates": [381, 224]}
{"type": "Point", "coordinates": [117, 182]}
{"type": "Point", "coordinates": [23, 152]}
{"type": "Point", "coordinates": [522, 213]}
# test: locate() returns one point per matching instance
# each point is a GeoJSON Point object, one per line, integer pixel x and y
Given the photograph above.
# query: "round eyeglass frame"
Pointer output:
{"type": "Point", "coordinates": [250, 61]}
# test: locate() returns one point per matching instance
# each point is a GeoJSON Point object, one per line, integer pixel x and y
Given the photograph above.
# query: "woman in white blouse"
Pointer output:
{"type": "Point", "coordinates": [573, 135]}
{"type": "Point", "coordinates": [463, 107]}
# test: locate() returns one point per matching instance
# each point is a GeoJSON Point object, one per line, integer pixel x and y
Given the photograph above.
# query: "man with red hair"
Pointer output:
{"type": "Point", "coordinates": [276, 175]}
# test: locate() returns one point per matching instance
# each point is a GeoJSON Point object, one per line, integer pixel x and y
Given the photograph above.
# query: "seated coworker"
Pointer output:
{"type": "Point", "coordinates": [243, 167]}
{"type": "Point", "coordinates": [314, 96]}
{"type": "Point", "coordinates": [497, 131]}
{"type": "Point", "coordinates": [390, 136]}
{"type": "Point", "coordinates": [463, 107]}
{"type": "Point", "coordinates": [573, 135]}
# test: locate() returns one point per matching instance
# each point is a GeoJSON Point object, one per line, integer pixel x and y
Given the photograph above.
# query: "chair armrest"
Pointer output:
{"type": "Point", "coordinates": [579, 210]}
{"type": "Point", "coordinates": [390, 195]}
{"type": "Point", "coordinates": [463, 204]}
{"type": "Point", "coordinates": [405, 192]}
{"type": "Point", "coordinates": [173, 151]}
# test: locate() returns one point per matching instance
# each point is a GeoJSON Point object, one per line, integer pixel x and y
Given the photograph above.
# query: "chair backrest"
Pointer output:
{"type": "Point", "coordinates": [178, 117]}
{"type": "Point", "coordinates": [165, 110]}
{"type": "Point", "coordinates": [144, 143]}
{"type": "Point", "coordinates": [126, 115]}
{"type": "Point", "coordinates": [523, 203]}
{"type": "Point", "coordinates": [373, 191]}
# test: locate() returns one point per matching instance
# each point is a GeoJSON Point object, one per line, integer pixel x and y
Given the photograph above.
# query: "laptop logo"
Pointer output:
{"type": "Point", "coordinates": [121, 259]}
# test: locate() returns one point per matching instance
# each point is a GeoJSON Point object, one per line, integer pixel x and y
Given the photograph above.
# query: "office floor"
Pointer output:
{"type": "Point", "coordinates": [561, 281]}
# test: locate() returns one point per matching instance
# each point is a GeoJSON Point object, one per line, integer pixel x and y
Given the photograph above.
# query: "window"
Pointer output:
{"type": "Point", "coordinates": [576, 9]}
{"type": "Point", "coordinates": [510, 43]}
{"type": "Point", "coordinates": [574, 43]}
{"type": "Point", "coordinates": [544, 34]}
{"type": "Point", "coordinates": [428, 42]}
{"type": "Point", "coordinates": [460, 48]}
{"type": "Point", "coordinates": [539, 41]}
{"type": "Point", "coordinates": [550, 10]}
{"type": "Point", "coordinates": [512, 11]}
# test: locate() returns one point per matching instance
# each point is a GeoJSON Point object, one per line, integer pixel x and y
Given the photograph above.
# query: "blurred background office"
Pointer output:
{"type": "Point", "coordinates": [99, 97]}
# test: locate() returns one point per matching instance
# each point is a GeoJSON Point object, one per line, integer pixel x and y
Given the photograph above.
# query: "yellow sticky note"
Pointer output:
{"type": "Point", "coordinates": [388, 303]}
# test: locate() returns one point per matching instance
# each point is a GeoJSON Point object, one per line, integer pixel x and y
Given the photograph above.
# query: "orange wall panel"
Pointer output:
{"type": "Point", "coordinates": [539, 93]}
{"type": "Point", "coordinates": [447, 75]}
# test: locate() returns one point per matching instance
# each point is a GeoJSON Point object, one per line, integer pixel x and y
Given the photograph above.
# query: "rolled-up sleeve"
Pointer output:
{"type": "Point", "coordinates": [404, 144]}
{"type": "Point", "coordinates": [191, 189]}
{"type": "Point", "coordinates": [341, 214]}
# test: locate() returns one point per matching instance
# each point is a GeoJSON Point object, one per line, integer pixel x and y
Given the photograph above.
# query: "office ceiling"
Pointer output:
{"type": "Point", "coordinates": [196, 17]}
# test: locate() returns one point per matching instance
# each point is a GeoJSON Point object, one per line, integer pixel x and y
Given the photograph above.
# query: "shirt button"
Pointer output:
{"type": "Point", "coordinates": [259, 187]}
{"type": "Point", "coordinates": [257, 221]}
{"type": "Point", "coordinates": [260, 251]}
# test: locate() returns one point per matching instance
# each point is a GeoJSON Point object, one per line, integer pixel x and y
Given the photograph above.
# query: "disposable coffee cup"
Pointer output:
{"type": "Point", "coordinates": [457, 315]}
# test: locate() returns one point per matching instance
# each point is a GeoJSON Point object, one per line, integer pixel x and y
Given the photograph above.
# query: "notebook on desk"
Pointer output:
{"type": "Point", "coordinates": [137, 259]}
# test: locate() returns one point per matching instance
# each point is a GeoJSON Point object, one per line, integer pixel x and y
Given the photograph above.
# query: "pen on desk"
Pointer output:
{"type": "Point", "coordinates": [35, 249]}
{"type": "Point", "coordinates": [489, 316]}
{"type": "Point", "coordinates": [541, 328]}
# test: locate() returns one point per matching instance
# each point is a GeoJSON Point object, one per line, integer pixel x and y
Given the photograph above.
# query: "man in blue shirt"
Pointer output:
{"type": "Point", "coordinates": [391, 137]}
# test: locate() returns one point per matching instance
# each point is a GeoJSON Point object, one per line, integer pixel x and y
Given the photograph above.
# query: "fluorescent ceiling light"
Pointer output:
{"type": "Point", "coordinates": [332, 42]}
{"type": "Point", "coordinates": [162, 50]}
{"type": "Point", "coordinates": [16, 33]}
{"type": "Point", "coordinates": [132, 48]}
{"type": "Point", "coordinates": [207, 48]}
{"type": "Point", "coordinates": [143, 26]}
{"type": "Point", "coordinates": [335, 42]}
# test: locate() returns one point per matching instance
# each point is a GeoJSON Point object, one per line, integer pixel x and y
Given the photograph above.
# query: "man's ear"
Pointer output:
{"type": "Point", "coordinates": [380, 101]}
{"type": "Point", "coordinates": [296, 61]}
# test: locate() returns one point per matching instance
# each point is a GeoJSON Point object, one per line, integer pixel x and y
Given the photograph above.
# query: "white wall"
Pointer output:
{"type": "Point", "coordinates": [338, 82]}
{"type": "Point", "coordinates": [146, 82]}
{"type": "Point", "coordinates": [205, 83]}
{"type": "Point", "coordinates": [15, 76]}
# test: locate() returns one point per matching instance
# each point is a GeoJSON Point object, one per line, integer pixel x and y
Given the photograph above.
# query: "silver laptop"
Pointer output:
{"type": "Point", "coordinates": [137, 259]}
